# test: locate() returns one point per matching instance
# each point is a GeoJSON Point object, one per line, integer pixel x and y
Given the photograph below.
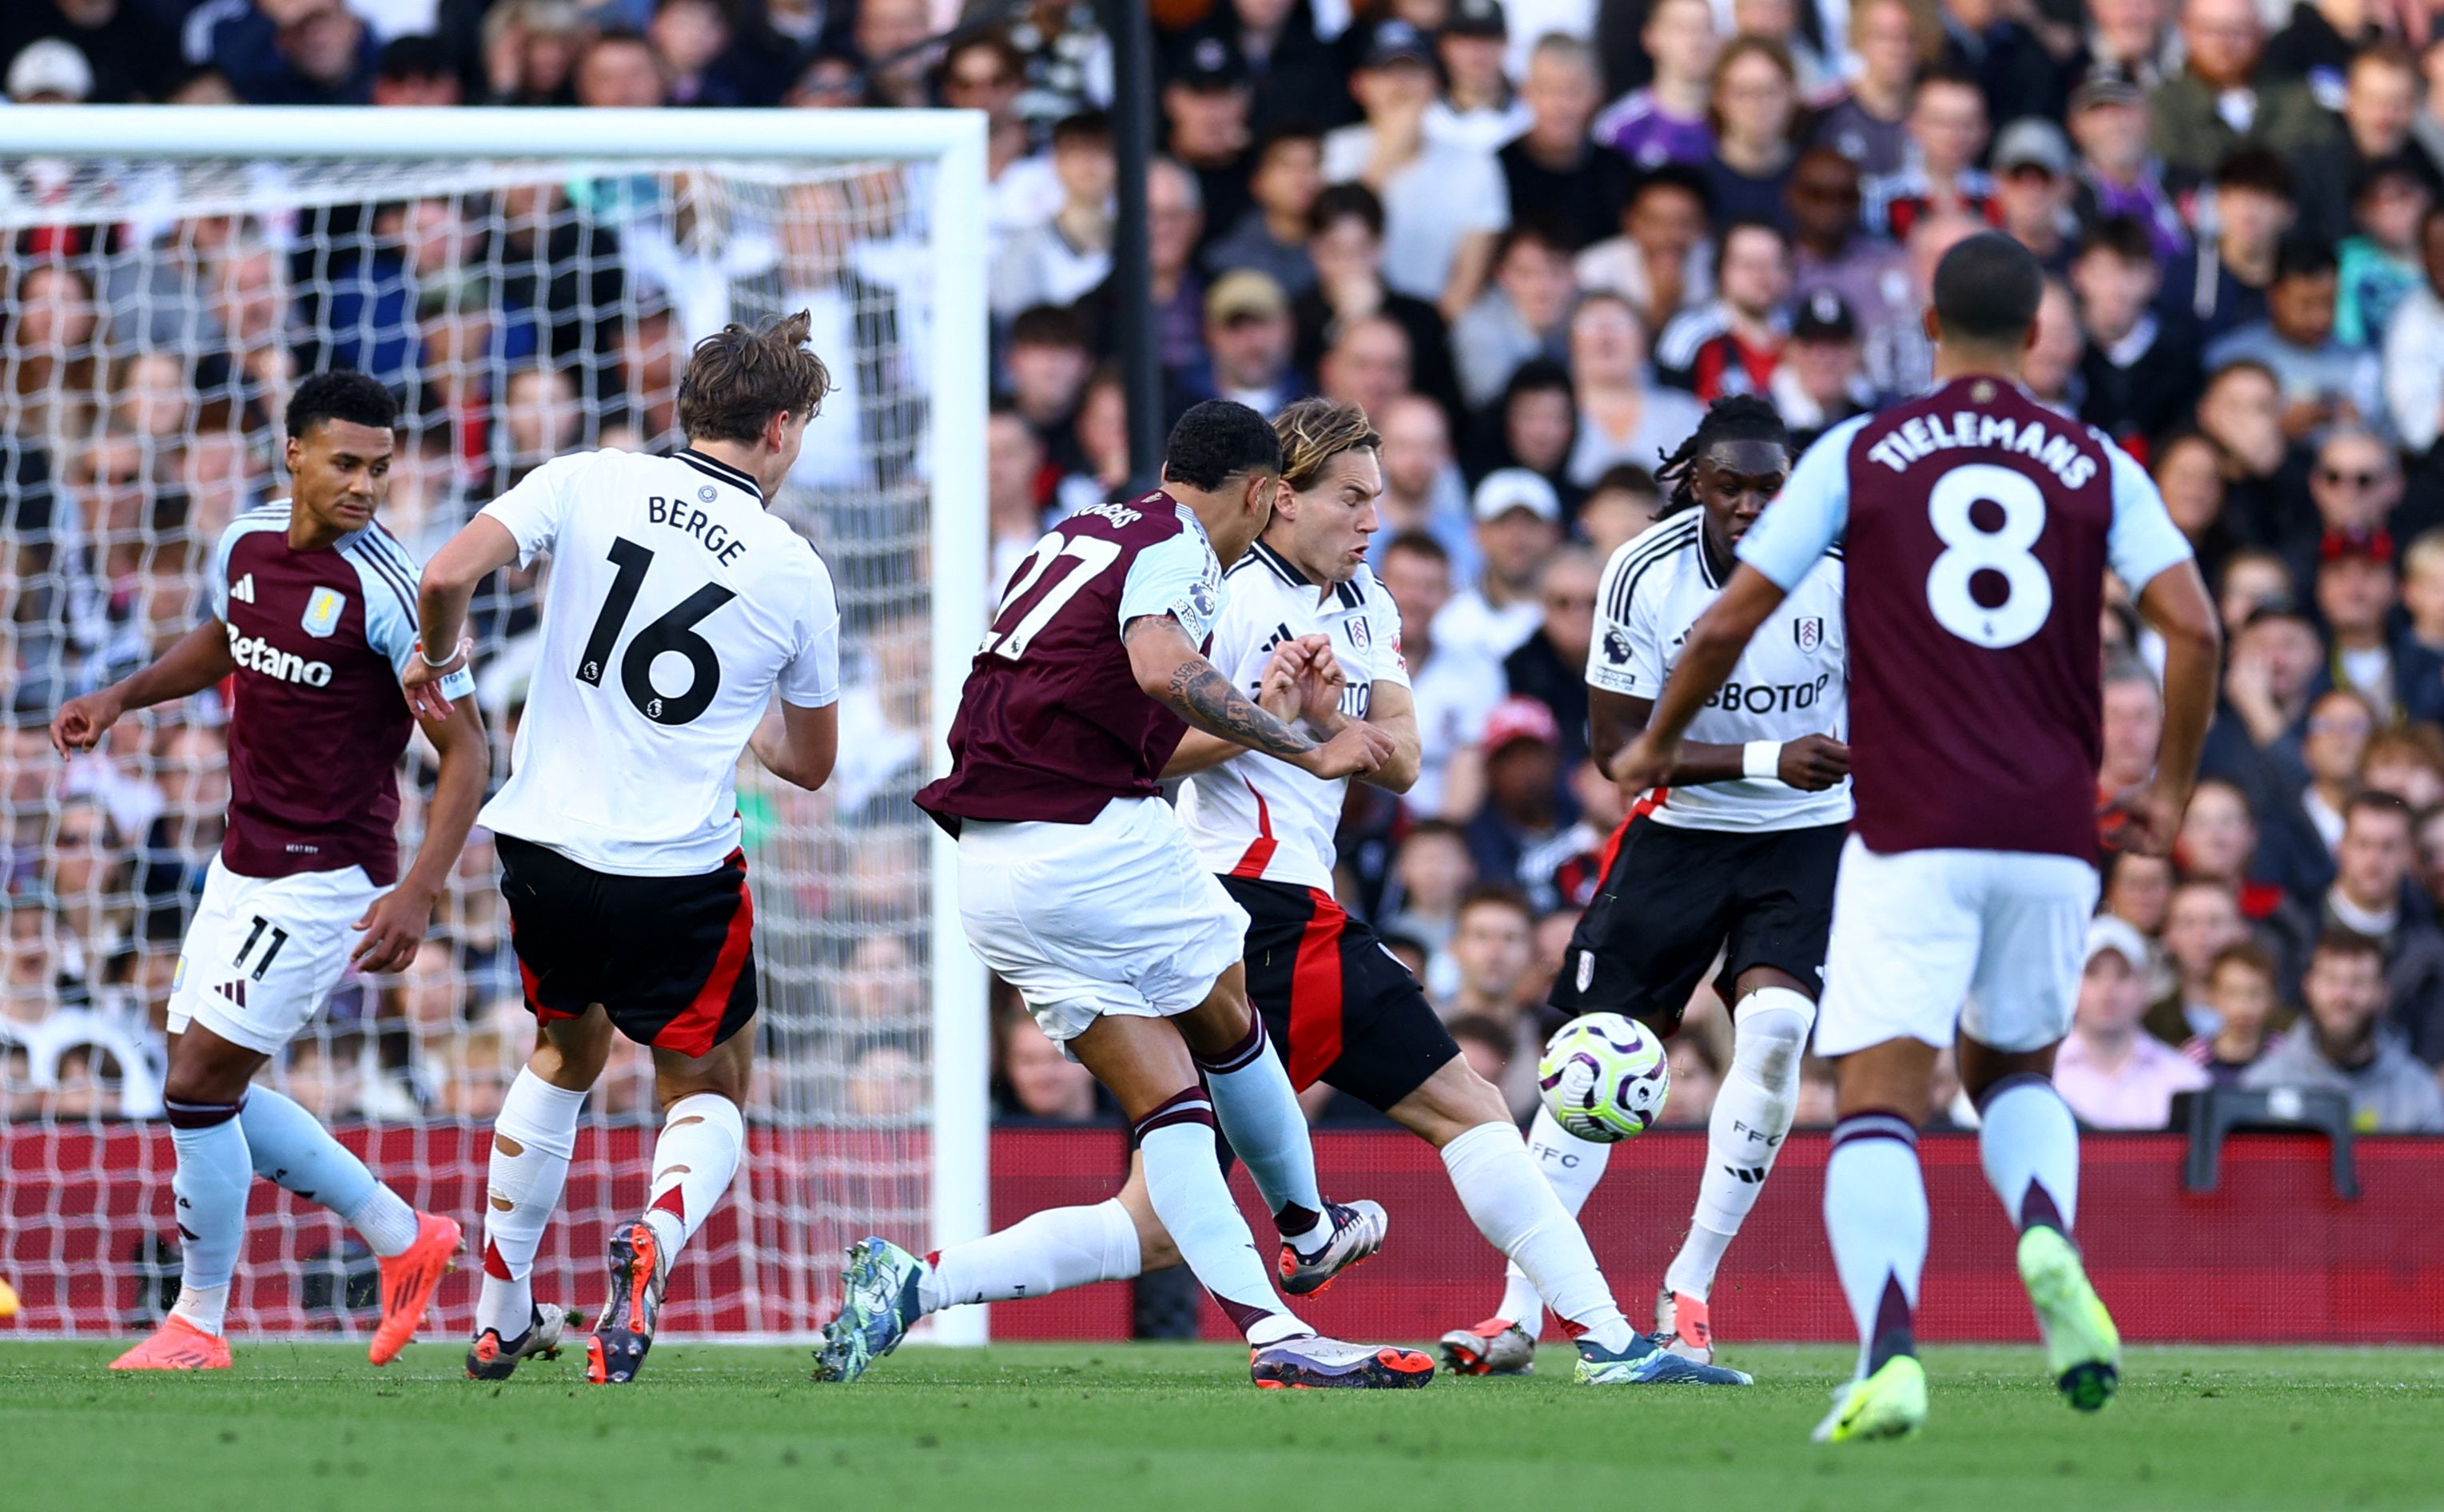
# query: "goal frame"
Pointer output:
{"type": "Point", "coordinates": [953, 142]}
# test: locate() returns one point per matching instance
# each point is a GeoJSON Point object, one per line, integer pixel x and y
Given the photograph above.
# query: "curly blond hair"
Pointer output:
{"type": "Point", "coordinates": [1313, 431]}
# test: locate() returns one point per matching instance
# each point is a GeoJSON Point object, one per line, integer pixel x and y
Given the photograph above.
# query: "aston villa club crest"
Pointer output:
{"type": "Point", "coordinates": [323, 611]}
{"type": "Point", "coordinates": [1809, 631]}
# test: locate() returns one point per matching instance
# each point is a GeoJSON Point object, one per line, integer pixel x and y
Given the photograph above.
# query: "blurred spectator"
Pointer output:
{"type": "Point", "coordinates": [1249, 335]}
{"type": "Point", "coordinates": [2139, 376]}
{"type": "Point", "coordinates": [1180, 312]}
{"type": "Point", "coordinates": [2374, 896]}
{"type": "Point", "coordinates": [887, 36]}
{"type": "Point", "coordinates": [2117, 172]}
{"type": "Point", "coordinates": [1732, 344]}
{"type": "Point", "coordinates": [2413, 345]}
{"type": "Point", "coordinates": [1523, 314]}
{"type": "Point", "coordinates": [2113, 1075]}
{"type": "Point", "coordinates": [1821, 379]}
{"type": "Point", "coordinates": [2132, 724]}
{"type": "Point", "coordinates": [1667, 121]}
{"type": "Point", "coordinates": [1662, 261]}
{"type": "Point", "coordinates": [1947, 134]}
{"type": "Point", "coordinates": [2201, 920]}
{"type": "Point", "coordinates": [531, 51]}
{"type": "Point", "coordinates": [1422, 485]}
{"type": "Point", "coordinates": [1523, 781]}
{"type": "Point", "coordinates": [1697, 1078]}
{"type": "Point", "coordinates": [1347, 246]}
{"type": "Point", "coordinates": [1205, 108]}
{"type": "Point", "coordinates": [1014, 506]}
{"type": "Point", "coordinates": [1756, 119]}
{"type": "Point", "coordinates": [2379, 262]}
{"type": "Point", "coordinates": [1369, 362]}
{"type": "Point", "coordinates": [1575, 187]}
{"type": "Point", "coordinates": [1442, 204]}
{"type": "Point", "coordinates": [2222, 283]}
{"type": "Point", "coordinates": [1518, 525]}
{"type": "Point", "coordinates": [1624, 417]}
{"type": "Point", "coordinates": [127, 52]}
{"type": "Point", "coordinates": [1038, 1081]}
{"type": "Point", "coordinates": [2240, 411]}
{"type": "Point", "coordinates": [1489, 969]}
{"type": "Point", "coordinates": [1622, 503]}
{"type": "Point", "coordinates": [301, 52]}
{"type": "Point", "coordinates": [1049, 363]}
{"type": "Point", "coordinates": [697, 45]}
{"type": "Point", "coordinates": [2241, 993]}
{"type": "Point", "coordinates": [2408, 762]}
{"type": "Point", "coordinates": [620, 70]}
{"type": "Point", "coordinates": [1832, 253]}
{"type": "Point", "coordinates": [1060, 261]}
{"type": "Point", "coordinates": [2032, 185]}
{"type": "Point", "coordinates": [2341, 1048]}
{"type": "Point", "coordinates": [1298, 74]}
{"type": "Point", "coordinates": [2354, 592]}
{"type": "Point", "coordinates": [2423, 589]}
{"type": "Point", "coordinates": [1477, 110]}
{"type": "Point", "coordinates": [1892, 40]}
{"type": "Point", "coordinates": [1454, 687]}
{"type": "Point", "coordinates": [2050, 370]}
{"type": "Point", "coordinates": [1271, 236]}
{"type": "Point", "coordinates": [2321, 382]}
{"type": "Point", "coordinates": [1900, 359]}
{"type": "Point", "coordinates": [1486, 1042]}
{"type": "Point", "coordinates": [1431, 873]}
{"type": "Point", "coordinates": [1551, 665]}
{"type": "Point", "coordinates": [2217, 102]}
{"type": "Point", "coordinates": [2188, 467]}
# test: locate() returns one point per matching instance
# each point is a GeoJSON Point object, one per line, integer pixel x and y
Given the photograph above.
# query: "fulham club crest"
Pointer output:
{"type": "Point", "coordinates": [1809, 632]}
{"type": "Point", "coordinates": [1359, 634]}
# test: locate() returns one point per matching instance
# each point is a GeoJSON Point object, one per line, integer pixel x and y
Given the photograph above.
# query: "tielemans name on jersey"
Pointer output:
{"type": "Point", "coordinates": [1923, 434]}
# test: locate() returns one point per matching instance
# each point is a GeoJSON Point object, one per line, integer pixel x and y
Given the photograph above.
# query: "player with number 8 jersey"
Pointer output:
{"type": "Point", "coordinates": [1979, 524]}
{"type": "Point", "coordinates": [679, 609]}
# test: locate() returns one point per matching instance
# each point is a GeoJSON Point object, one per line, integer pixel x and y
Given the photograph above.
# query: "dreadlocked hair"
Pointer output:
{"type": "Point", "coordinates": [1732, 417]}
{"type": "Point", "coordinates": [1313, 431]}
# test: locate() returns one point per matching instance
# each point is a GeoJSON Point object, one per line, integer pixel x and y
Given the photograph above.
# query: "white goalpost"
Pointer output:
{"type": "Point", "coordinates": [530, 282]}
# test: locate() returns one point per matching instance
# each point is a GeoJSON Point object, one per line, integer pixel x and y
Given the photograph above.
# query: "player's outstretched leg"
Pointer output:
{"type": "Point", "coordinates": [2029, 1145]}
{"type": "Point", "coordinates": [533, 1139]}
{"type": "Point", "coordinates": [886, 1289]}
{"type": "Point", "coordinates": [214, 1172]}
{"type": "Point", "coordinates": [1874, 1214]}
{"type": "Point", "coordinates": [1751, 1115]}
{"type": "Point", "coordinates": [694, 1161]}
{"type": "Point", "coordinates": [289, 1147]}
{"type": "Point", "coordinates": [1505, 1344]}
{"type": "Point", "coordinates": [1260, 1114]}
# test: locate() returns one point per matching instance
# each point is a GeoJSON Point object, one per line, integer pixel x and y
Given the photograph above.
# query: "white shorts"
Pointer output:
{"type": "Point", "coordinates": [1114, 915]}
{"type": "Point", "coordinates": [264, 953]}
{"type": "Point", "coordinates": [1931, 945]}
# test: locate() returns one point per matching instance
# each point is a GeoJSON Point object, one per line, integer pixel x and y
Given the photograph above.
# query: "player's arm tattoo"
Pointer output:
{"type": "Point", "coordinates": [1206, 698]}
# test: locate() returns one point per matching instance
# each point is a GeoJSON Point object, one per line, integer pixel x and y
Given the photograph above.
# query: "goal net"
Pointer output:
{"type": "Point", "coordinates": [169, 277]}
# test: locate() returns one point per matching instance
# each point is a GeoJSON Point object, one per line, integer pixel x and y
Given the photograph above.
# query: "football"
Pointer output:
{"type": "Point", "coordinates": [1604, 1076]}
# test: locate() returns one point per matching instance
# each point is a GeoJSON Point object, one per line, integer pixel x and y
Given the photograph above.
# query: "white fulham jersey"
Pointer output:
{"type": "Point", "coordinates": [1793, 681]}
{"type": "Point", "coordinates": [1257, 815]}
{"type": "Point", "coordinates": [677, 606]}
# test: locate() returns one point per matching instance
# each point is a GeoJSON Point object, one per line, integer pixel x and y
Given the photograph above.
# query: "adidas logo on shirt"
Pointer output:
{"type": "Point", "coordinates": [243, 590]}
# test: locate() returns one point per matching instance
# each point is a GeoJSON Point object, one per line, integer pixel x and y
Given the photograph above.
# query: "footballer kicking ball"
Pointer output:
{"type": "Point", "coordinates": [1604, 1076]}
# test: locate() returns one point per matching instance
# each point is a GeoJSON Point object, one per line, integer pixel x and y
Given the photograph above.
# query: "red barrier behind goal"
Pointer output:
{"type": "Point", "coordinates": [2274, 1255]}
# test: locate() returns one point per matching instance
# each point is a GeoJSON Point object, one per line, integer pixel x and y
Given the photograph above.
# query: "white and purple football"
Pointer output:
{"type": "Point", "coordinates": [1604, 1076]}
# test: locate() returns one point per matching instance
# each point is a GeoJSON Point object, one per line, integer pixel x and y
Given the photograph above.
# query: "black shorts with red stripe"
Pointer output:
{"type": "Point", "coordinates": [672, 959]}
{"type": "Point", "coordinates": [1671, 898]}
{"type": "Point", "coordinates": [1340, 1008]}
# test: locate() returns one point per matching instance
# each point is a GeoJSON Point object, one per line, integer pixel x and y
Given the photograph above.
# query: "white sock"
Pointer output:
{"type": "Point", "coordinates": [1261, 1116]}
{"type": "Point", "coordinates": [532, 1140]}
{"type": "Point", "coordinates": [1522, 1217]}
{"type": "Point", "coordinates": [213, 1176]}
{"type": "Point", "coordinates": [2029, 1145]}
{"type": "Point", "coordinates": [695, 1162]}
{"type": "Point", "coordinates": [1193, 1202]}
{"type": "Point", "coordinates": [1046, 1252]}
{"type": "Point", "coordinates": [1874, 1214]}
{"type": "Point", "coordinates": [1571, 1166]}
{"type": "Point", "coordinates": [1753, 1113]}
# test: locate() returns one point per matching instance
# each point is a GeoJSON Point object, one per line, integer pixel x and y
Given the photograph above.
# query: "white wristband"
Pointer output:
{"type": "Point", "coordinates": [1761, 758]}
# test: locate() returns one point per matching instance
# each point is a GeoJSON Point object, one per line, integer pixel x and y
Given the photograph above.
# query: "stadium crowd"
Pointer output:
{"type": "Point", "coordinates": [1531, 238]}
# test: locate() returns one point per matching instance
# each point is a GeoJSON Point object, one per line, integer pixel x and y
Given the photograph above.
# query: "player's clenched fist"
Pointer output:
{"type": "Point", "coordinates": [1357, 749]}
{"type": "Point", "coordinates": [80, 723]}
{"type": "Point", "coordinates": [1813, 763]}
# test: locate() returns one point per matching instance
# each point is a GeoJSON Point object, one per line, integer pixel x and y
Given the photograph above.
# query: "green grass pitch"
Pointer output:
{"type": "Point", "coordinates": [313, 1426]}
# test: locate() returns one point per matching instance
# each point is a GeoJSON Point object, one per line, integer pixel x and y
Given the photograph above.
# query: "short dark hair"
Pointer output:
{"type": "Point", "coordinates": [1049, 325]}
{"type": "Point", "coordinates": [1495, 894]}
{"type": "Point", "coordinates": [738, 379]}
{"type": "Point", "coordinates": [1341, 202]}
{"type": "Point", "coordinates": [2305, 257]}
{"type": "Point", "coordinates": [1746, 222]}
{"type": "Point", "coordinates": [1732, 417]}
{"type": "Point", "coordinates": [2261, 169]}
{"type": "Point", "coordinates": [2121, 235]}
{"type": "Point", "coordinates": [1680, 177]}
{"type": "Point", "coordinates": [1086, 126]}
{"type": "Point", "coordinates": [1540, 374]}
{"type": "Point", "coordinates": [2339, 941]}
{"type": "Point", "coordinates": [1988, 288]}
{"type": "Point", "coordinates": [1484, 1029]}
{"type": "Point", "coordinates": [2246, 953]}
{"type": "Point", "coordinates": [1216, 440]}
{"type": "Point", "coordinates": [1282, 137]}
{"type": "Point", "coordinates": [1419, 544]}
{"type": "Point", "coordinates": [1628, 477]}
{"type": "Point", "coordinates": [342, 393]}
{"type": "Point", "coordinates": [2377, 801]}
{"type": "Point", "coordinates": [412, 57]}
